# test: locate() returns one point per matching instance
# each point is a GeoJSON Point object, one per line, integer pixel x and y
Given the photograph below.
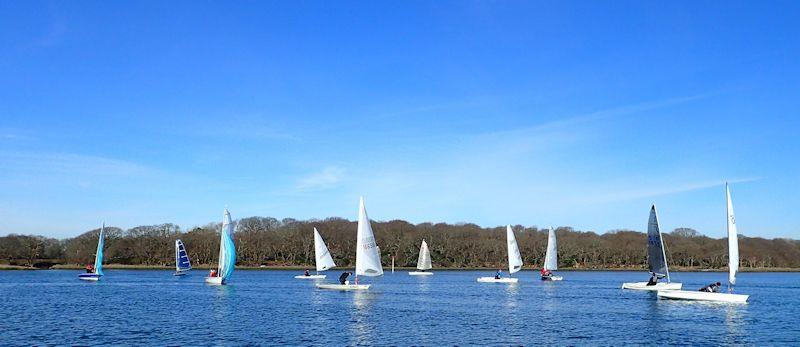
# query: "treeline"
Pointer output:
{"type": "Point", "coordinates": [268, 241]}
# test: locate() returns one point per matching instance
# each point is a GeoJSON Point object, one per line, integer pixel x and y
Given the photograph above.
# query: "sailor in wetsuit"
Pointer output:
{"type": "Point", "coordinates": [712, 288]}
{"type": "Point", "coordinates": [343, 277]}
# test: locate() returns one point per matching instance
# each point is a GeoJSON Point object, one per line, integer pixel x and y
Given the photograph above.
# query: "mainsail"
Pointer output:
{"type": "Point", "coordinates": [551, 257]}
{"type": "Point", "coordinates": [514, 259]}
{"type": "Point", "coordinates": [98, 258]}
{"type": "Point", "coordinates": [656, 256]}
{"type": "Point", "coordinates": [227, 250]}
{"type": "Point", "coordinates": [181, 257]}
{"type": "Point", "coordinates": [324, 260]}
{"type": "Point", "coordinates": [733, 241]}
{"type": "Point", "coordinates": [368, 258]}
{"type": "Point", "coordinates": [424, 260]}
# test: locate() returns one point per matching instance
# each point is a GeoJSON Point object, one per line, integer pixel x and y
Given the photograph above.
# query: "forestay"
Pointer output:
{"type": "Point", "coordinates": [181, 257]}
{"type": "Point", "coordinates": [656, 256]}
{"type": "Point", "coordinates": [368, 258]}
{"type": "Point", "coordinates": [733, 240]}
{"type": "Point", "coordinates": [424, 260]}
{"type": "Point", "coordinates": [514, 259]}
{"type": "Point", "coordinates": [227, 250]}
{"type": "Point", "coordinates": [551, 256]}
{"type": "Point", "coordinates": [324, 259]}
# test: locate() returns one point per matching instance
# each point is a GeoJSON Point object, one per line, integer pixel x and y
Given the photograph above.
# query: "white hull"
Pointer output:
{"type": "Point", "coordinates": [658, 286]}
{"type": "Point", "coordinates": [310, 277]}
{"type": "Point", "coordinates": [495, 280]}
{"type": "Point", "coordinates": [344, 286]}
{"type": "Point", "coordinates": [702, 296]}
{"type": "Point", "coordinates": [181, 273]}
{"type": "Point", "coordinates": [552, 278]}
{"type": "Point", "coordinates": [89, 277]}
{"type": "Point", "coordinates": [215, 280]}
{"type": "Point", "coordinates": [420, 273]}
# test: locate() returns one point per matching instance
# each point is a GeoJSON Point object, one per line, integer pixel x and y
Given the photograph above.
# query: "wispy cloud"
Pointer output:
{"type": "Point", "coordinates": [665, 189]}
{"type": "Point", "coordinates": [327, 178]}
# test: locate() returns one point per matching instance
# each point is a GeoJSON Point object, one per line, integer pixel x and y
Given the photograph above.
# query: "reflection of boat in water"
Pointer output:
{"type": "Point", "coordinates": [656, 259]}
{"type": "Point", "coordinates": [97, 270]}
{"type": "Point", "coordinates": [514, 260]}
{"type": "Point", "coordinates": [322, 259]}
{"type": "Point", "coordinates": [733, 267]}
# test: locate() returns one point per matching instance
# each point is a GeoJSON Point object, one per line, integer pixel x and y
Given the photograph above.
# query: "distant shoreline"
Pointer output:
{"type": "Point", "coordinates": [385, 269]}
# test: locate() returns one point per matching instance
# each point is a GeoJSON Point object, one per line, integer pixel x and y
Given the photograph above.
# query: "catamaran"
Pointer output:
{"type": "Point", "coordinates": [227, 253]}
{"type": "Point", "coordinates": [368, 256]}
{"type": "Point", "coordinates": [182, 265]}
{"type": "Point", "coordinates": [514, 260]}
{"type": "Point", "coordinates": [97, 271]}
{"type": "Point", "coordinates": [733, 267]}
{"type": "Point", "coordinates": [423, 262]}
{"type": "Point", "coordinates": [323, 258]}
{"type": "Point", "coordinates": [656, 260]}
{"type": "Point", "coordinates": [551, 258]}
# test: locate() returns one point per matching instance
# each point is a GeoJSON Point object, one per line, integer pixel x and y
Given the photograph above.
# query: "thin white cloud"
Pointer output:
{"type": "Point", "coordinates": [641, 193]}
{"type": "Point", "coordinates": [327, 178]}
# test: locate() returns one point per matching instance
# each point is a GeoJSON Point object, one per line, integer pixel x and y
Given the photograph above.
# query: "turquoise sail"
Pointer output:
{"type": "Point", "coordinates": [98, 259]}
{"type": "Point", "coordinates": [227, 249]}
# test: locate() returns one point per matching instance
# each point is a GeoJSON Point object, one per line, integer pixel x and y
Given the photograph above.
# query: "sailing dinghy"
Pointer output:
{"type": "Point", "coordinates": [323, 258]}
{"type": "Point", "coordinates": [227, 253]}
{"type": "Point", "coordinates": [182, 265]}
{"type": "Point", "coordinates": [551, 258]}
{"type": "Point", "coordinates": [656, 259]}
{"type": "Point", "coordinates": [368, 256]}
{"type": "Point", "coordinates": [514, 260]}
{"type": "Point", "coordinates": [97, 272]}
{"type": "Point", "coordinates": [733, 267]}
{"type": "Point", "coordinates": [423, 262]}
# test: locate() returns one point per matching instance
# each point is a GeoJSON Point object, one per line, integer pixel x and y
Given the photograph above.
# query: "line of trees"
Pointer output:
{"type": "Point", "coordinates": [269, 241]}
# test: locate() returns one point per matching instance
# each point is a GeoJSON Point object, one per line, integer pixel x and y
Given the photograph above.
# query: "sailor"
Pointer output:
{"type": "Point", "coordinates": [653, 279]}
{"type": "Point", "coordinates": [343, 277]}
{"type": "Point", "coordinates": [306, 273]}
{"type": "Point", "coordinates": [546, 273]}
{"type": "Point", "coordinates": [213, 273]}
{"type": "Point", "coordinates": [89, 268]}
{"type": "Point", "coordinates": [497, 275]}
{"type": "Point", "coordinates": [712, 288]}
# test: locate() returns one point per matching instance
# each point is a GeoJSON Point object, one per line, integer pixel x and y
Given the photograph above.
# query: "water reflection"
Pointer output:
{"type": "Point", "coordinates": [734, 322]}
{"type": "Point", "coordinates": [360, 328]}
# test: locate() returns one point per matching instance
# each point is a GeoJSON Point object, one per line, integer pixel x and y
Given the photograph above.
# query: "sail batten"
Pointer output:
{"type": "Point", "coordinates": [368, 258]}
{"type": "Point", "coordinates": [551, 256]}
{"type": "Point", "coordinates": [514, 259]}
{"type": "Point", "coordinates": [424, 260]}
{"type": "Point", "coordinates": [733, 240]}
{"type": "Point", "coordinates": [324, 260]}
{"type": "Point", "coordinates": [656, 256]}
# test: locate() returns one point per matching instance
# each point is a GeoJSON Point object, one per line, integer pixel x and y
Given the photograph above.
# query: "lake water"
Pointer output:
{"type": "Point", "coordinates": [449, 308]}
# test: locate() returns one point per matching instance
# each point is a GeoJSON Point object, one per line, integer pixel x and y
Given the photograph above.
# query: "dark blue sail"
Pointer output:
{"type": "Point", "coordinates": [181, 258]}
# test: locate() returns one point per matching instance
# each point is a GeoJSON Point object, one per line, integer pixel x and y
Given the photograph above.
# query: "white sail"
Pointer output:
{"type": "Point", "coordinates": [424, 260]}
{"type": "Point", "coordinates": [733, 240]}
{"type": "Point", "coordinates": [323, 257]}
{"type": "Point", "coordinates": [551, 257]}
{"type": "Point", "coordinates": [227, 249]}
{"type": "Point", "coordinates": [514, 259]}
{"type": "Point", "coordinates": [368, 258]}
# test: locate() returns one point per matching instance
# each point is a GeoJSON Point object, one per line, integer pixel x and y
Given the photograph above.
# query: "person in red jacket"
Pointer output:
{"type": "Point", "coordinates": [546, 273]}
{"type": "Point", "coordinates": [89, 268]}
{"type": "Point", "coordinates": [213, 273]}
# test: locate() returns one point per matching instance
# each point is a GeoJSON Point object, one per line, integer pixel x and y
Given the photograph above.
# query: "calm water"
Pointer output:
{"type": "Point", "coordinates": [449, 308]}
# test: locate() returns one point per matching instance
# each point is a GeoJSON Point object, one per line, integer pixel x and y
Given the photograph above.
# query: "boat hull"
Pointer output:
{"type": "Point", "coordinates": [658, 286]}
{"type": "Point", "coordinates": [216, 281]}
{"type": "Point", "coordinates": [310, 277]}
{"type": "Point", "coordinates": [344, 286]}
{"type": "Point", "coordinates": [420, 273]}
{"type": "Point", "coordinates": [552, 278]}
{"type": "Point", "coordinates": [703, 296]}
{"type": "Point", "coordinates": [181, 273]}
{"type": "Point", "coordinates": [89, 277]}
{"type": "Point", "coordinates": [497, 280]}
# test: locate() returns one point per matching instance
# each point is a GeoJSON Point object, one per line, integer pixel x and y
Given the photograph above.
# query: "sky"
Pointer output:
{"type": "Point", "coordinates": [572, 113]}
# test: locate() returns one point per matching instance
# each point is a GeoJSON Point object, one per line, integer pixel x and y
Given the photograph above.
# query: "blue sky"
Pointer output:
{"type": "Point", "coordinates": [537, 113]}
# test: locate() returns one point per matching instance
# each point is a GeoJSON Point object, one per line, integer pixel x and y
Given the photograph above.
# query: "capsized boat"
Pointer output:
{"type": "Point", "coordinates": [227, 253]}
{"type": "Point", "coordinates": [423, 262]}
{"type": "Point", "coordinates": [323, 258]}
{"type": "Point", "coordinates": [182, 264]}
{"type": "Point", "coordinates": [514, 260]}
{"type": "Point", "coordinates": [551, 258]}
{"type": "Point", "coordinates": [733, 267]}
{"type": "Point", "coordinates": [97, 272]}
{"type": "Point", "coordinates": [368, 257]}
{"type": "Point", "coordinates": [656, 259]}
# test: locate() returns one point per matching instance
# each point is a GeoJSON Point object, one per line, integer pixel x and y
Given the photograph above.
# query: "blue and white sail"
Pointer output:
{"type": "Point", "coordinates": [181, 257]}
{"type": "Point", "coordinates": [227, 250]}
{"type": "Point", "coordinates": [98, 258]}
